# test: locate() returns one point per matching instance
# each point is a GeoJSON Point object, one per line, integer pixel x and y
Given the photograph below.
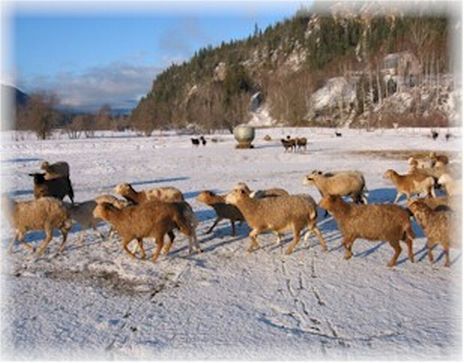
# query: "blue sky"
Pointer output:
{"type": "Point", "coordinates": [111, 52]}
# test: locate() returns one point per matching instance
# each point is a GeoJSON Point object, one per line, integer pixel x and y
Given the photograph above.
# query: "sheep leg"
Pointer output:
{"type": "Point", "coordinates": [167, 248]}
{"type": "Point", "coordinates": [396, 246]}
{"type": "Point", "coordinates": [46, 241]}
{"type": "Point", "coordinates": [233, 227]}
{"type": "Point", "coordinates": [11, 245]}
{"type": "Point", "coordinates": [279, 238]}
{"type": "Point", "coordinates": [253, 240]}
{"type": "Point", "coordinates": [430, 246]}
{"type": "Point", "coordinates": [432, 191]}
{"type": "Point", "coordinates": [398, 196]}
{"type": "Point", "coordinates": [64, 232]}
{"type": "Point", "coordinates": [296, 239]}
{"type": "Point", "coordinates": [218, 219]}
{"type": "Point", "coordinates": [193, 242]}
{"type": "Point", "coordinates": [348, 243]}
{"type": "Point", "coordinates": [125, 245]}
{"type": "Point", "coordinates": [447, 261]}
{"type": "Point", "coordinates": [320, 237]}
{"type": "Point", "coordinates": [159, 246]}
{"type": "Point", "coordinates": [140, 244]}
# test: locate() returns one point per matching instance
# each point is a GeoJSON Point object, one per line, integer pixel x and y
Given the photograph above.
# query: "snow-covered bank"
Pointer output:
{"type": "Point", "coordinates": [95, 301]}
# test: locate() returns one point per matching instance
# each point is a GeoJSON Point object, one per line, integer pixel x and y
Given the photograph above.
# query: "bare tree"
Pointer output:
{"type": "Point", "coordinates": [39, 114]}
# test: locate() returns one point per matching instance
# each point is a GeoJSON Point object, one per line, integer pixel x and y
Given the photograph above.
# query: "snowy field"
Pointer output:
{"type": "Point", "coordinates": [94, 301]}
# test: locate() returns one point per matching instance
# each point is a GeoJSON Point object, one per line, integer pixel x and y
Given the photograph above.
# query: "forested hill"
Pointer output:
{"type": "Point", "coordinates": [353, 67]}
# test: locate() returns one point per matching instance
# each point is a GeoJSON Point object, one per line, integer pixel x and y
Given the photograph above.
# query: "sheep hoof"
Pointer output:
{"type": "Point", "coordinates": [348, 256]}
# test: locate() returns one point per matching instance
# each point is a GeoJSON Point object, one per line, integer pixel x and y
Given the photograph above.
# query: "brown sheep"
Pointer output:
{"type": "Point", "coordinates": [44, 214]}
{"type": "Point", "coordinates": [223, 210]}
{"type": "Point", "coordinates": [150, 219]}
{"type": "Point", "coordinates": [258, 194]}
{"type": "Point", "coordinates": [410, 184]}
{"type": "Point", "coordinates": [386, 222]}
{"type": "Point", "coordinates": [58, 187]}
{"type": "Point", "coordinates": [436, 226]}
{"type": "Point", "coordinates": [277, 214]}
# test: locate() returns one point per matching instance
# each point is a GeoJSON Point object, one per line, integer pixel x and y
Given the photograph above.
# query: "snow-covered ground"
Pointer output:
{"type": "Point", "coordinates": [94, 301]}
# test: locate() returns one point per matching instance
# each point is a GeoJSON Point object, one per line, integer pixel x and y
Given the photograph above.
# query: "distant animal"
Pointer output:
{"type": "Point", "coordinates": [301, 142]}
{"type": "Point", "coordinates": [195, 142]}
{"type": "Point", "coordinates": [57, 187]}
{"type": "Point", "coordinates": [338, 134]}
{"type": "Point", "coordinates": [448, 136]}
{"type": "Point", "coordinates": [434, 134]}
{"type": "Point", "coordinates": [203, 140]}
{"type": "Point", "coordinates": [267, 138]}
{"type": "Point", "coordinates": [289, 144]}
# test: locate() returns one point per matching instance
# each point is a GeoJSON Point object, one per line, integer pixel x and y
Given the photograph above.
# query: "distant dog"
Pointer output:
{"type": "Point", "coordinates": [195, 142]}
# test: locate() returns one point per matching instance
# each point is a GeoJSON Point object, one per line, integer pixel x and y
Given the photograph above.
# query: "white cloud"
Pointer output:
{"type": "Point", "coordinates": [118, 84]}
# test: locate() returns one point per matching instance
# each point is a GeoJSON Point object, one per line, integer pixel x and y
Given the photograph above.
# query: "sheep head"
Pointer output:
{"type": "Point", "coordinates": [39, 178]}
{"type": "Point", "coordinates": [123, 189]}
{"type": "Point", "coordinates": [389, 174]}
{"type": "Point", "coordinates": [45, 165]}
{"type": "Point", "coordinates": [236, 196]}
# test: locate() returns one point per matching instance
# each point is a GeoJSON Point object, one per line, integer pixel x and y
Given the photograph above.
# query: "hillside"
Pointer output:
{"type": "Point", "coordinates": [349, 66]}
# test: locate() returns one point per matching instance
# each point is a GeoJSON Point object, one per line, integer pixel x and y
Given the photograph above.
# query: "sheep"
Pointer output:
{"type": "Point", "coordinates": [258, 194]}
{"type": "Point", "coordinates": [82, 213]}
{"type": "Point", "coordinates": [338, 134]}
{"type": "Point", "coordinates": [289, 144]}
{"type": "Point", "coordinates": [163, 194]}
{"type": "Point", "coordinates": [55, 170]}
{"type": "Point", "coordinates": [439, 203]}
{"type": "Point", "coordinates": [419, 163]}
{"type": "Point", "coordinates": [203, 140]}
{"type": "Point", "coordinates": [388, 222]}
{"type": "Point", "coordinates": [441, 159]}
{"type": "Point", "coordinates": [436, 226]}
{"type": "Point", "coordinates": [301, 142]}
{"type": "Point", "coordinates": [434, 134]}
{"type": "Point", "coordinates": [223, 210]}
{"type": "Point", "coordinates": [410, 184]}
{"type": "Point", "coordinates": [57, 187]}
{"type": "Point", "coordinates": [277, 214]}
{"type": "Point", "coordinates": [342, 183]}
{"type": "Point", "coordinates": [149, 219]}
{"type": "Point", "coordinates": [195, 142]}
{"type": "Point", "coordinates": [452, 186]}
{"type": "Point", "coordinates": [108, 198]}
{"type": "Point", "coordinates": [45, 214]}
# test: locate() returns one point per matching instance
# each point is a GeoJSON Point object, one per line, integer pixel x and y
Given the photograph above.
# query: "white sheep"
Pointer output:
{"type": "Point", "coordinates": [45, 214]}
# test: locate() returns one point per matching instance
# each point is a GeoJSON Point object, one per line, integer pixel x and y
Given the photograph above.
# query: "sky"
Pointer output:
{"type": "Point", "coordinates": [92, 54]}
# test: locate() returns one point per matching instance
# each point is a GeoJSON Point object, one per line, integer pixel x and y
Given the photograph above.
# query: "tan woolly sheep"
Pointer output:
{"type": "Point", "coordinates": [223, 210]}
{"type": "Point", "coordinates": [45, 214]}
{"type": "Point", "coordinates": [410, 184]}
{"type": "Point", "coordinates": [108, 198]}
{"type": "Point", "coordinates": [55, 170]}
{"type": "Point", "coordinates": [384, 222]}
{"type": "Point", "coordinates": [278, 215]}
{"type": "Point", "coordinates": [342, 183]}
{"type": "Point", "coordinates": [82, 213]}
{"type": "Point", "coordinates": [163, 194]}
{"type": "Point", "coordinates": [150, 219]}
{"type": "Point", "coordinates": [436, 226]}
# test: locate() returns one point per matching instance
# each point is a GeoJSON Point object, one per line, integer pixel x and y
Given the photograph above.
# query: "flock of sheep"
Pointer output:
{"type": "Point", "coordinates": [156, 212]}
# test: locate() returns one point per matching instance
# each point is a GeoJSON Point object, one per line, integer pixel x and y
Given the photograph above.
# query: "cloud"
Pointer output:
{"type": "Point", "coordinates": [118, 84]}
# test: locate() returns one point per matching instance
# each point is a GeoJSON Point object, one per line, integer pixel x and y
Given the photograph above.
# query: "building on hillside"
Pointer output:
{"type": "Point", "coordinates": [400, 70]}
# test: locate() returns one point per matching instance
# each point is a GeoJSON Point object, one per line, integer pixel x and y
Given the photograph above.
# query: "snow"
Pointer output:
{"type": "Point", "coordinates": [94, 301]}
